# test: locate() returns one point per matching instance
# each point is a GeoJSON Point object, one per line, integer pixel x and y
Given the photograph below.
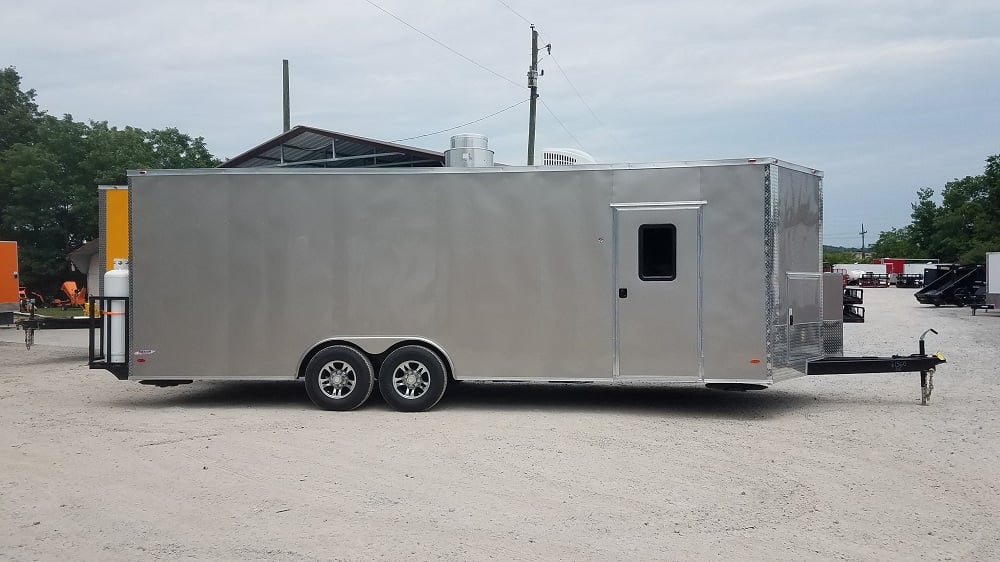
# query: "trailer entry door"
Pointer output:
{"type": "Point", "coordinates": [658, 285]}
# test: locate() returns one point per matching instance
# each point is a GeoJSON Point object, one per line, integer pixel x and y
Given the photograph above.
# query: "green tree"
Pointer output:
{"type": "Point", "coordinates": [961, 229]}
{"type": "Point", "coordinates": [921, 230]}
{"type": "Point", "coordinates": [895, 243]}
{"type": "Point", "coordinates": [966, 225]}
{"type": "Point", "coordinates": [17, 110]}
{"type": "Point", "coordinates": [50, 169]}
{"type": "Point", "coordinates": [840, 257]}
{"type": "Point", "coordinates": [37, 214]}
{"type": "Point", "coordinates": [172, 149]}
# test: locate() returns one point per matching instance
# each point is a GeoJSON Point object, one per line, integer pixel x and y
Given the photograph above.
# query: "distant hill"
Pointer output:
{"type": "Point", "coordinates": [838, 249]}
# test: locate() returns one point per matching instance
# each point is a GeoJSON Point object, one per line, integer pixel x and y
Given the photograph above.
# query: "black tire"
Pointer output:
{"type": "Point", "coordinates": [412, 379]}
{"type": "Point", "coordinates": [339, 378]}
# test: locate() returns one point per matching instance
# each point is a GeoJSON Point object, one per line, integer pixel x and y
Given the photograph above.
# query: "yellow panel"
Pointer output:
{"type": "Point", "coordinates": [116, 229]}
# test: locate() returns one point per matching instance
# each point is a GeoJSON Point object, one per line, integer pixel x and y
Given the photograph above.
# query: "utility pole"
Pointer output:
{"type": "Point", "coordinates": [286, 103]}
{"type": "Point", "coordinates": [862, 233]}
{"type": "Point", "coordinates": [533, 88]}
{"type": "Point", "coordinates": [533, 74]}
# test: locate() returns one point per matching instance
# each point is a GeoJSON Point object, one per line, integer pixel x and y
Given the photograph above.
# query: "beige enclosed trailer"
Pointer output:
{"type": "Point", "coordinates": [692, 272]}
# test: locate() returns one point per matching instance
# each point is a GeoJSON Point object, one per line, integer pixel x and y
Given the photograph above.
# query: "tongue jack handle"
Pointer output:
{"type": "Point", "coordinates": [922, 352]}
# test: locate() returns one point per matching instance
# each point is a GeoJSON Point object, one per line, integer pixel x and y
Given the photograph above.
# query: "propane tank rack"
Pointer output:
{"type": "Point", "coordinates": [104, 342]}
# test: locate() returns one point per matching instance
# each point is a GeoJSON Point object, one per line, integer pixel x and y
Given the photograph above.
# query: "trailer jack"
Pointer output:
{"type": "Point", "coordinates": [34, 321]}
{"type": "Point", "coordinates": [917, 362]}
{"type": "Point", "coordinates": [29, 325]}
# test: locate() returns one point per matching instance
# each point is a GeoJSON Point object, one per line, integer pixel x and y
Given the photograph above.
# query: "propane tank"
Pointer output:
{"type": "Point", "coordinates": [116, 287]}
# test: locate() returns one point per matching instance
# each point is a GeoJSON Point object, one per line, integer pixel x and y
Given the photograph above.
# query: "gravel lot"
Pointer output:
{"type": "Point", "coordinates": [847, 467]}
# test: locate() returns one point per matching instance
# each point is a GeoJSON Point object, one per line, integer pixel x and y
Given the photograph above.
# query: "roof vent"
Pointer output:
{"type": "Point", "coordinates": [469, 150]}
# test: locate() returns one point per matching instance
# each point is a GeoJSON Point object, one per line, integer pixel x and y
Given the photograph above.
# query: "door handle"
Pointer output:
{"type": "Point", "coordinates": [623, 293]}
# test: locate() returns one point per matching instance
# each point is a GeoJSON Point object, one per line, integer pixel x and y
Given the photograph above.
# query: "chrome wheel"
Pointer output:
{"type": "Point", "coordinates": [411, 379]}
{"type": "Point", "coordinates": [337, 379]}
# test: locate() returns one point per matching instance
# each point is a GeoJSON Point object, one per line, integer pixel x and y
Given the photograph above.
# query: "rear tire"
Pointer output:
{"type": "Point", "coordinates": [412, 379]}
{"type": "Point", "coordinates": [339, 378]}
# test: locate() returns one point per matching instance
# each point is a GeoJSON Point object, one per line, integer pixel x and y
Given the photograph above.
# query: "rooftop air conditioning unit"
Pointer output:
{"type": "Point", "coordinates": [565, 157]}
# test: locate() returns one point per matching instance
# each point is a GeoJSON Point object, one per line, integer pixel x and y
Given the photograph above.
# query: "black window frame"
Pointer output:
{"type": "Point", "coordinates": [673, 257]}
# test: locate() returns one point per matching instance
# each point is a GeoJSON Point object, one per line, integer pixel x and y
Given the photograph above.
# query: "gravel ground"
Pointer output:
{"type": "Point", "coordinates": [846, 467]}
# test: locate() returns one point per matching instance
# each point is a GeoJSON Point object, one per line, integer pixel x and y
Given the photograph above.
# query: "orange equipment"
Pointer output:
{"type": "Point", "coordinates": [76, 297]}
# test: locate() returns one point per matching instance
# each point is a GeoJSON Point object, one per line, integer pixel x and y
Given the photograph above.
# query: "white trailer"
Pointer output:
{"type": "Point", "coordinates": [855, 271]}
{"type": "Point", "coordinates": [993, 278]}
{"type": "Point", "coordinates": [704, 273]}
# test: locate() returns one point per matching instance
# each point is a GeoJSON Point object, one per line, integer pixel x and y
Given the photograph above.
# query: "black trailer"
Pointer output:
{"type": "Point", "coordinates": [955, 286]}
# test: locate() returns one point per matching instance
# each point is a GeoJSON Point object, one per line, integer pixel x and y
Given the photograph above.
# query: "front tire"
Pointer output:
{"type": "Point", "coordinates": [339, 378]}
{"type": "Point", "coordinates": [412, 379]}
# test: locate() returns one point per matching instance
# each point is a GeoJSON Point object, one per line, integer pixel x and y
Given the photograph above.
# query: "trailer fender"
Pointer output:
{"type": "Point", "coordinates": [376, 348]}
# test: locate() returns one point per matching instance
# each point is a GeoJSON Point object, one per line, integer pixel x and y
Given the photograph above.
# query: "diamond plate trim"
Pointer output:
{"type": "Point", "coordinates": [797, 345]}
{"type": "Point", "coordinates": [833, 338]}
{"type": "Point", "coordinates": [771, 287]}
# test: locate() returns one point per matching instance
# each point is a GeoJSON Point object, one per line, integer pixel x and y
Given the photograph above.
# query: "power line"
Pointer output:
{"type": "Point", "coordinates": [547, 108]}
{"type": "Point", "coordinates": [515, 12]}
{"type": "Point", "coordinates": [509, 107]}
{"type": "Point", "coordinates": [402, 21]}
{"type": "Point", "coordinates": [590, 109]}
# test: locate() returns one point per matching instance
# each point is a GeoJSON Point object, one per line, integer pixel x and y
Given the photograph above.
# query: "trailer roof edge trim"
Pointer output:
{"type": "Point", "coordinates": [496, 170]}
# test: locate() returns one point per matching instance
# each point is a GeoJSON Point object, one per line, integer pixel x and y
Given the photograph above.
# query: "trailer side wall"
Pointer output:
{"type": "Point", "coordinates": [242, 273]}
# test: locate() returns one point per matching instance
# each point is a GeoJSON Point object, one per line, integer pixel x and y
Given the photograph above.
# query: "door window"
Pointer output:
{"type": "Point", "coordinates": [657, 252]}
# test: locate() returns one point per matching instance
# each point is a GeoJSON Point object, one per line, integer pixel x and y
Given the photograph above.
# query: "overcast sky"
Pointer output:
{"type": "Point", "coordinates": [884, 96]}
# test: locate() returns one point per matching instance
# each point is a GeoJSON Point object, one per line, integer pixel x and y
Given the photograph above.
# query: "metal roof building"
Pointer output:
{"type": "Point", "coordinates": [308, 147]}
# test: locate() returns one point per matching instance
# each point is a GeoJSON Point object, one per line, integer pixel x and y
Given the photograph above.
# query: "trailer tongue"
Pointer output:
{"type": "Point", "coordinates": [917, 362]}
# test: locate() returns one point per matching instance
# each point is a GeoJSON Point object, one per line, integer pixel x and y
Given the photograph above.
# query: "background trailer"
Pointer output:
{"type": "Point", "coordinates": [691, 272]}
{"type": "Point", "coordinates": [9, 296]}
{"type": "Point", "coordinates": [993, 277]}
